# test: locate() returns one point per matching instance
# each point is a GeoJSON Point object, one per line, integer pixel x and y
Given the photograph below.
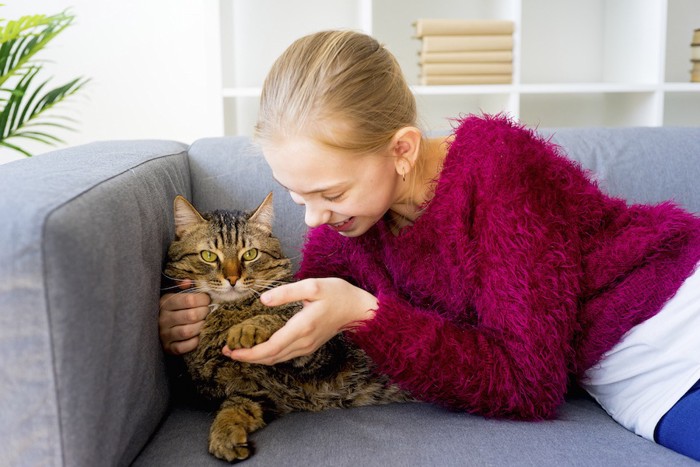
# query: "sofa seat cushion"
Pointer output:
{"type": "Point", "coordinates": [416, 434]}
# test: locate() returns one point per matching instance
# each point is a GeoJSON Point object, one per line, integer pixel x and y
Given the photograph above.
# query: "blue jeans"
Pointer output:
{"type": "Point", "coordinates": [679, 429]}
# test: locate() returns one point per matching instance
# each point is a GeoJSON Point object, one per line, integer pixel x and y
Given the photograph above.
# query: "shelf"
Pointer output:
{"type": "Point", "coordinates": [455, 90]}
{"type": "Point", "coordinates": [682, 87]}
{"type": "Point", "coordinates": [592, 41]}
{"type": "Point", "coordinates": [683, 17]}
{"type": "Point", "coordinates": [591, 109]}
{"type": "Point", "coordinates": [584, 88]}
{"type": "Point", "coordinates": [682, 108]}
{"type": "Point", "coordinates": [592, 63]}
{"type": "Point", "coordinates": [436, 110]}
{"type": "Point", "coordinates": [552, 88]}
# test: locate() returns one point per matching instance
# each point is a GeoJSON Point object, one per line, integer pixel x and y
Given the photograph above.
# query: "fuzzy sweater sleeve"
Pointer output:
{"type": "Point", "coordinates": [514, 361]}
{"type": "Point", "coordinates": [323, 255]}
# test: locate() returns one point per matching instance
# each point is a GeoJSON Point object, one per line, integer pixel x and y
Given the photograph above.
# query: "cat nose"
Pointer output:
{"type": "Point", "coordinates": [232, 271]}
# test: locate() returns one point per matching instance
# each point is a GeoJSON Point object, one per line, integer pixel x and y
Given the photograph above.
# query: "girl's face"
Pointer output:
{"type": "Point", "coordinates": [348, 193]}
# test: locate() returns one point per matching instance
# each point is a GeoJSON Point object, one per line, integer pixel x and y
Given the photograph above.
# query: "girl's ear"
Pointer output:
{"type": "Point", "coordinates": [405, 147]}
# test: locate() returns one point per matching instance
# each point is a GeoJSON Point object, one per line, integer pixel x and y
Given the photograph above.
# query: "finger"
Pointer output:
{"type": "Point", "coordinates": [183, 301]}
{"type": "Point", "coordinates": [181, 339]}
{"type": "Point", "coordinates": [182, 347]}
{"type": "Point", "coordinates": [185, 283]}
{"type": "Point", "coordinates": [186, 331]}
{"type": "Point", "coordinates": [288, 342]}
{"type": "Point", "coordinates": [169, 319]}
{"type": "Point", "coordinates": [195, 300]}
{"type": "Point", "coordinates": [241, 355]}
{"type": "Point", "coordinates": [304, 290]}
{"type": "Point", "coordinates": [265, 353]}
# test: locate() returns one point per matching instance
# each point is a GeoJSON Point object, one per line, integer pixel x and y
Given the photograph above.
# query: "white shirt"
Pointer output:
{"type": "Point", "coordinates": [654, 364]}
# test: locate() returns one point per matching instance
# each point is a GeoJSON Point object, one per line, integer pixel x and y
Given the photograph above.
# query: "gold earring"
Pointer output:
{"type": "Point", "coordinates": [403, 175]}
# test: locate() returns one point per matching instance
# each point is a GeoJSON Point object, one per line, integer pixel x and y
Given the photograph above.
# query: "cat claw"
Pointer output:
{"type": "Point", "coordinates": [232, 451]}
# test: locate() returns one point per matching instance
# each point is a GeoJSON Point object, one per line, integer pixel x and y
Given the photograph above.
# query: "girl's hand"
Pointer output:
{"type": "Point", "coordinates": [331, 305]}
{"type": "Point", "coordinates": [180, 320]}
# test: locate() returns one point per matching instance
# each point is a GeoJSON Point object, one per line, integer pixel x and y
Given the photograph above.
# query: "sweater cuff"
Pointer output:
{"type": "Point", "coordinates": [367, 333]}
{"type": "Point", "coordinates": [389, 339]}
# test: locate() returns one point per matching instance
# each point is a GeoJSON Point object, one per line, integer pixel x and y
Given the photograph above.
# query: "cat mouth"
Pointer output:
{"type": "Point", "coordinates": [230, 295]}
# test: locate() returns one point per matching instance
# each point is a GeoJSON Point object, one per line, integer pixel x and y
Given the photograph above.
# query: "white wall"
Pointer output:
{"type": "Point", "coordinates": [155, 67]}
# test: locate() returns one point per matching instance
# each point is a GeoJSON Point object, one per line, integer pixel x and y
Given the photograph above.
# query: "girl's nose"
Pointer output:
{"type": "Point", "coordinates": [315, 217]}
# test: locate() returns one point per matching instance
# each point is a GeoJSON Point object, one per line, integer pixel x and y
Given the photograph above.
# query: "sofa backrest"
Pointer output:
{"type": "Point", "coordinates": [642, 165]}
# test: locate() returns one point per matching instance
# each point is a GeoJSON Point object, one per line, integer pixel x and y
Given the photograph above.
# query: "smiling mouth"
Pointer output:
{"type": "Point", "coordinates": [343, 225]}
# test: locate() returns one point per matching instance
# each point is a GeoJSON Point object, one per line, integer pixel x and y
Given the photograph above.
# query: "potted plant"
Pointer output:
{"type": "Point", "coordinates": [24, 102]}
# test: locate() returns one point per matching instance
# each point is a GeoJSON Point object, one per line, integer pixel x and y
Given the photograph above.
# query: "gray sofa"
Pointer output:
{"type": "Point", "coordinates": [83, 380]}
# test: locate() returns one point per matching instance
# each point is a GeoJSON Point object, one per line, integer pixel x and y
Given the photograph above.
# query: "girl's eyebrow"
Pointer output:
{"type": "Point", "coordinates": [318, 190]}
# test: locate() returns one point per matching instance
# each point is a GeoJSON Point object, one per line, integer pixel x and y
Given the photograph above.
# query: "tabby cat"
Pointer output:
{"type": "Point", "coordinates": [234, 257]}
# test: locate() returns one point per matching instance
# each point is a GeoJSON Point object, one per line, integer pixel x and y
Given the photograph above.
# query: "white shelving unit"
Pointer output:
{"type": "Point", "coordinates": [576, 63]}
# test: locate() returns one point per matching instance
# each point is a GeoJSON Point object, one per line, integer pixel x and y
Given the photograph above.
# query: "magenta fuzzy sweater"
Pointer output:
{"type": "Point", "coordinates": [519, 275]}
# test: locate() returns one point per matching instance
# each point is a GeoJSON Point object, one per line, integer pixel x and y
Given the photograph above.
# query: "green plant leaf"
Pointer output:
{"type": "Point", "coordinates": [15, 148]}
{"type": "Point", "coordinates": [24, 106]}
{"type": "Point", "coordinates": [23, 40]}
{"type": "Point", "coordinates": [38, 136]}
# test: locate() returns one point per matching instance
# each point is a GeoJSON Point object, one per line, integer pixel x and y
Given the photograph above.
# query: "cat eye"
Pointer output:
{"type": "Point", "coordinates": [251, 254]}
{"type": "Point", "coordinates": [208, 256]}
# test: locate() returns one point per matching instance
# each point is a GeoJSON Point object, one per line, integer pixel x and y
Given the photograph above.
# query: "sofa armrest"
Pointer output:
{"type": "Point", "coordinates": [83, 232]}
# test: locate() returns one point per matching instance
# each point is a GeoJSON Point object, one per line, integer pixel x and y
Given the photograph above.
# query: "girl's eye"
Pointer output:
{"type": "Point", "coordinates": [251, 254]}
{"type": "Point", "coordinates": [333, 198]}
{"type": "Point", "coordinates": [208, 256]}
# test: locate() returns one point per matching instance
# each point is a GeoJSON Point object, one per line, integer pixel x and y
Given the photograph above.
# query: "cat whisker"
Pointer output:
{"type": "Point", "coordinates": [258, 288]}
{"type": "Point", "coordinates": [270, 282]}
{"type": "Point", "coordinates": [195, 289]}
{"type": "Point", "coordinates": [255, 293]}
{"type": "Point", "coordinates": [170, 277]}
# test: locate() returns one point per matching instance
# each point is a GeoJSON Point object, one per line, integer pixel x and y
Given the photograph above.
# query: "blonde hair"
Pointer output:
{"type": "Point", "coordinates": [341, 88]}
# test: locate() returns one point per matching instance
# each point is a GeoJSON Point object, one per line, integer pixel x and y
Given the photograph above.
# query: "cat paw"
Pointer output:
{"type": "Point", "coordinates": [231, 444]}
{"type": "Point", "coordinates": [246, 335]}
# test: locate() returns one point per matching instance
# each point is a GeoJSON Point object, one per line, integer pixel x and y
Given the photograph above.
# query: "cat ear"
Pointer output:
{"type": "Point", "coordinates": [185, 215]}
{"type": "Point", "coordinates": [264, 214]}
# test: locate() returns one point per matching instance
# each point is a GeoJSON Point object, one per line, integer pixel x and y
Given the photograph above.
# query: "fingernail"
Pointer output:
{"type": "Point", "coordinates": [265, 298]}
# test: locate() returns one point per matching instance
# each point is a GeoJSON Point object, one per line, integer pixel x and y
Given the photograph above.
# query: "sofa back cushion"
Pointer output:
{"type": "Point", "coordinates": [642, 165]}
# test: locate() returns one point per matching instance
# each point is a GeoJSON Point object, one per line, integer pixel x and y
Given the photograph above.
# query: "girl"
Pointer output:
{"type": "Point", "coordinates": [482, 272]}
